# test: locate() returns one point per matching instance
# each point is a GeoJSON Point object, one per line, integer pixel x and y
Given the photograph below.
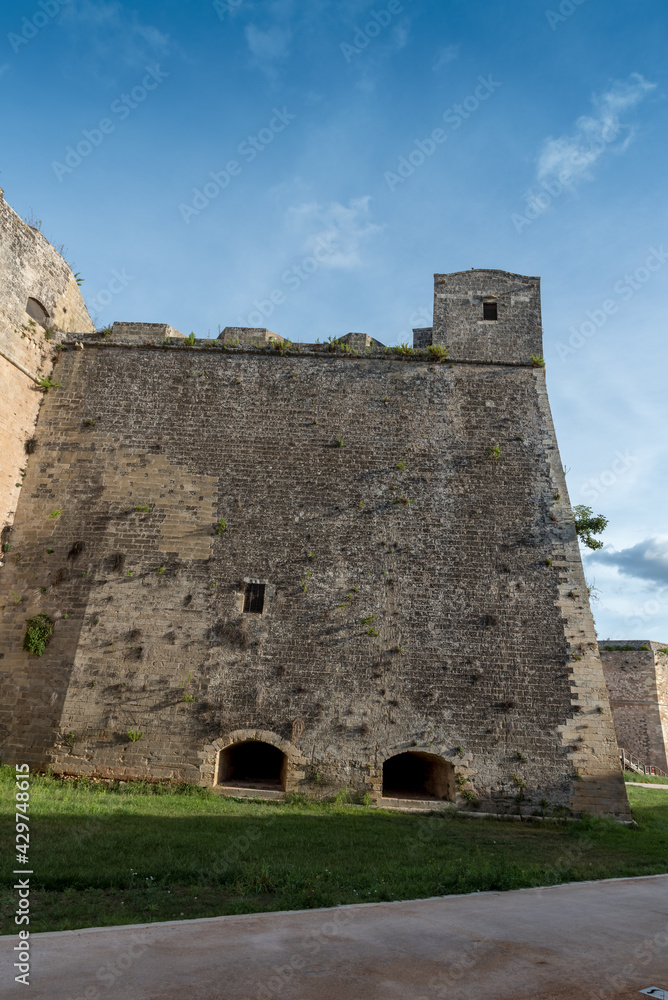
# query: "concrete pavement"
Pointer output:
{"type": "Point", "coordinates": [571, 942]}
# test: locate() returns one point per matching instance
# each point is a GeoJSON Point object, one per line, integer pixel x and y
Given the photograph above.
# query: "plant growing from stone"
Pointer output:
{"type": "Point", "coordinates": [588, 524]}
{"type": "Point", "coordinates": [134, 735]}
{"type": "Point", "coordinates": [186, 694]}
{"type": "Point", "coordinates": [39, 630]}
{"type": "Point", "coordinates": [494, 451]}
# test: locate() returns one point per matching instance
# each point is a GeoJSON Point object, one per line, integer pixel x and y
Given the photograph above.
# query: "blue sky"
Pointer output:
{"type": "Point", "coordinates": [196, 158]}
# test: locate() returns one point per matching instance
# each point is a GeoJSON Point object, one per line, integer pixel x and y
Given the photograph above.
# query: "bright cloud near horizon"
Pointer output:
{"type": "Point", "coordinates": [205, 151]}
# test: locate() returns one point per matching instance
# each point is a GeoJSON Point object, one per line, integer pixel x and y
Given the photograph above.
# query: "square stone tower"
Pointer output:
{"type": "Point", "coordinates": [486, 315]}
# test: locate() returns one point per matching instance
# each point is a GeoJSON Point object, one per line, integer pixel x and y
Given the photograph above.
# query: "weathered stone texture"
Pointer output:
{"type": "Point", "coordinates": [30, 268]}
{"type": "Point", "coordinates": [422, 337]}
{"type": "Point", "coordinates": [458, 316]}
{"type": "Point", "coordinates": [133, 333]}
{"type": "Point", "coordinates": [249, 336]}
{"type": "Point", "coordinates": [637, 682]}
{"type": "Point", "coordinates": [411, 522]}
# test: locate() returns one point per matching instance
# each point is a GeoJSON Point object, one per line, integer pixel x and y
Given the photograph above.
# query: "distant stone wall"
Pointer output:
{"type": "Point", "coordinates": [140, 333]}
{"type": "Point", "coordinates": [636, 675]}
{"type": "Point", "coordinates": [422, 337]}
{"type": "Point", "coordinates": [30, 268]}
{"type": "Point", "coordinates": [410, 520]}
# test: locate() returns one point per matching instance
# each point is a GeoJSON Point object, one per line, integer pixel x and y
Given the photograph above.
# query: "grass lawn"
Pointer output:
{"type": "Point", "coordinates": [646, 779]}
{"type": "Point", "coordinates": [104, 855]}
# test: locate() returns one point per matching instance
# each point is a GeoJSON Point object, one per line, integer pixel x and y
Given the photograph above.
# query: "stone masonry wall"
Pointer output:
{"type": "Point", "coordinates": [30, 268]}
{"type": "Point", "coordinates": [458, 316]}
{"type": "Point", "coordinates": [410, 521]}
{"type": "Point", "coordinates": [637, 682]}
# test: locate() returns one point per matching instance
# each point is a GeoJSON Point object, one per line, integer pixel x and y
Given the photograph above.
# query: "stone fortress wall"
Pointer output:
{"type": "Point", "coordinates": [357, 559]}
{"type": "Point", "coordinates": [636, 675]}
{"type": "Point", "coordinates": [38, 293]}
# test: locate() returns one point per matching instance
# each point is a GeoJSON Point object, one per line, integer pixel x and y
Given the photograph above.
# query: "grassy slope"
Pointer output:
{"type": "Point", "coordinates": [646, 779]}
{"type": "Point", "coordinates": [104, 857]}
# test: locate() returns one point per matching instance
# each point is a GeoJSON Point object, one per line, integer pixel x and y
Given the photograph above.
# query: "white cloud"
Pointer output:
{"type": "Point", "coordinates": [445, 56]}
{"type": "Point", "coordinates": [269, 45]}
{"type": "Point", "coordinates": [270, 41]}
{"type": "Point", "coordinates": [400, 36]}
{"type": "Point", "coordinates": [570, 158]}
{"type": "Point", "coordinates": [104, 33]}
{"type": "Point", "coordinates": [346, 228]}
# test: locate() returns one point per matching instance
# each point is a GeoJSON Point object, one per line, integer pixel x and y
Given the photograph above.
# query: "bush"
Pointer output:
{"type": "Point", "coordinates": [38, 633]}
{"type": "Point", "coordinates": [588, 524]}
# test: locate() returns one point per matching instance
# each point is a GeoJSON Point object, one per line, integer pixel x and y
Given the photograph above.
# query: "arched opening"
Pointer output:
{"type": "Point", "coordinates": [37, 312]}
{"type": "Point", "coordinates": [418, 776]}
{"type": "Point", "coordinates": [252, 764]}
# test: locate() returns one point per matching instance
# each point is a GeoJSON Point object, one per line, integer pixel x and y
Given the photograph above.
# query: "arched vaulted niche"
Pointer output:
{"type": "Point", "coordinates": [417, 775]}
{"type": "Point", "coordinates": [252, 764]}
{"type": "Point", "coordinates": [36, 311]}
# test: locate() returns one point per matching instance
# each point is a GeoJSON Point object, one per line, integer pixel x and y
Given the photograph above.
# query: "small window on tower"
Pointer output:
{"type": "Point", "coordinates": [254, 598]}
{"type": "Point", "coordinates": [489, 310]}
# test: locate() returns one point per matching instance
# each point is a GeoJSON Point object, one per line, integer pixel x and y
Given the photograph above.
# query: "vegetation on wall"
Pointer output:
{"type": "Point", "coordinates": [588, 524]}
{"type": "Point", "coordinates": [38, 634]}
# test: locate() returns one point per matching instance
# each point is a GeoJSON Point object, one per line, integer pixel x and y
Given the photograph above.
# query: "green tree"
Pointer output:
{"type": "Point", "coordinates": [588, 524]}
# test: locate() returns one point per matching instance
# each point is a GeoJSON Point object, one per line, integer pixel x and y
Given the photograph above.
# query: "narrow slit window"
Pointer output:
{"type": "Point", "coordinates": [254, 598]}
{"type": "Point", "coordinates": [489, 310]}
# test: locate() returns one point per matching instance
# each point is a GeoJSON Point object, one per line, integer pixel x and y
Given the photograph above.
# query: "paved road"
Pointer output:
{"type": "Point", "coordinates": [574, 942]}
{"type": "Point", "coordinates": [647, 784]}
